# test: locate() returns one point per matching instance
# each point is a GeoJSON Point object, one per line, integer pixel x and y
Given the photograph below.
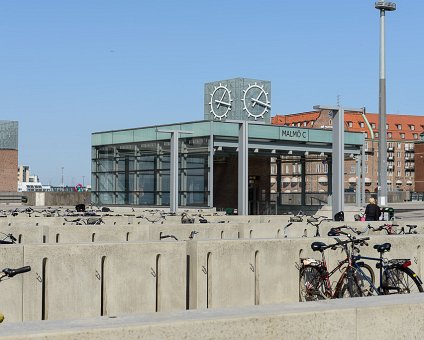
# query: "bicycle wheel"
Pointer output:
{"type": "Point", "coordinates": [400, 280]}
{"type": "Point", "coordinates": [358, 282]}
{"type": "Point", "coordinates": [311, 284]}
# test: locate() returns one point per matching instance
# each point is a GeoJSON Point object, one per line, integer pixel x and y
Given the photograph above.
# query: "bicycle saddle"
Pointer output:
{"type": "Point", "coordinates": [381, 248]}
{"type": "Point", "coordinates": [318, 246]}
{"type": "Point", "coordinates": [333, 232]}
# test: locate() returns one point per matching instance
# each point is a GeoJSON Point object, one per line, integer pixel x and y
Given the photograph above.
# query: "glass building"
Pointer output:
{"type": "Point", "coordinates": [133, 166]}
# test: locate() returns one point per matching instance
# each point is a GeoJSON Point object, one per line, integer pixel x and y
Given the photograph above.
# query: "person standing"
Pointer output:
{"type": "Point", "coordinates": [372, 211]}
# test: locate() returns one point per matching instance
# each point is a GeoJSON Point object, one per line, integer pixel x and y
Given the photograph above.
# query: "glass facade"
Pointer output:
{"type": "Point", "coordinates": [139, 173]}
{"type": "Point", "coordinates": [8, 135]}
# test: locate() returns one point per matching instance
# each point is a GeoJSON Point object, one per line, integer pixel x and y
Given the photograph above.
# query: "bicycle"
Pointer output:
{"type": "Point", "coordinates": [410, 230]}
{"type": "Point", "coordinates": [9, 273]}
{"type": "Point", "coordinates": [316, 222]}
{"type": "Point", "coordinates": [314, 280]}
{"type": "Point", "coordinates": [395, 275]}
{"type": "Point", "coordinates": [8, 239]}
{"type": "Point", "coordinates": [391, 229]}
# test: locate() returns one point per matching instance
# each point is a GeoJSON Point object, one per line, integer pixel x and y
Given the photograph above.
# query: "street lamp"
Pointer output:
{"type": "Point", "coordinates": [382, 6]}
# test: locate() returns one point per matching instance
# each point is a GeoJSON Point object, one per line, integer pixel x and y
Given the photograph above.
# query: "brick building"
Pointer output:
{"type": "Point", "coordinates": [403, 131]}
{"type": "Point", "coordinates": [8, 156]}
{"type": "Point", "coordinates": [419, 164]}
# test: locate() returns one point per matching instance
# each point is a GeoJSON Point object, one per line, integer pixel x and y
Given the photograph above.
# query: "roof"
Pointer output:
{"type": "Point", "coordinates": [409, 125]}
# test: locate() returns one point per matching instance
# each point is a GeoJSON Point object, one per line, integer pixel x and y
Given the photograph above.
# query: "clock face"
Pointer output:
{"type": "Point", "coordinates": [220, 103]}
{"type": "Point", "coordinates": [255, 101]}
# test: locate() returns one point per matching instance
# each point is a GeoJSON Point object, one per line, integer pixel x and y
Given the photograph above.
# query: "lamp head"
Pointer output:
{"type": "Point", "coordinates": [385, 6]}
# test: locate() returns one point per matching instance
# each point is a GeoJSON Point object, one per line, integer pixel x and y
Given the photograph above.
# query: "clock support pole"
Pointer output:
{"type": "Point", "coordinates": [243, 169]}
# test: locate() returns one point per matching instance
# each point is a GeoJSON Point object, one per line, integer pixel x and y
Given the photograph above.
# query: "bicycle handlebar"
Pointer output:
{"type": "Point", "coordinates": [12, 272]}
{"type": "Point", "coordinates": [354, 241]}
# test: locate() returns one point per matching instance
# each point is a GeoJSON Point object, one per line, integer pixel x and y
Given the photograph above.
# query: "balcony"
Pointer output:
{"type": "Point", "coordinates": [390, 149]}
{"type": "Point", "coordinates": [409, 149]}
{"type": "Point", "coordinates": [390, 158]}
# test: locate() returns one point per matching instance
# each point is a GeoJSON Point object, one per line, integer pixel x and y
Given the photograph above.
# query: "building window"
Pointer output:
{"type": "Point", "coordinates": [305, 123]}
{"type": "Point", "coordinates": [398, 154]}
{"type": "Point", "coordinates": [330, 122]}
{"type": "Point", "coordinates": [361, 124]}
{"type": "Point", "coordinates": [366, 169]}
{"type": "Point", "coordinates": [398, 163]}
{"type": "Point", "coordinates": [412, 127]}
{"type": "Point", "coordinates": [399, 126]}
{"type": "Point", "coordinates": [387, 126]}
{"type": "Point", "coordinates": [398, 173]}
{"type": "Point", "coordinates": [350, 124]}
{"type": "Point", "coordinates": [402, 135]}
{"type": "Point", "coordinates": [399, 145]}
{"type": "Point", "coordinates": [376, 134]}
{"type": "Point", "coordinates": [373, 125]}
{"type": "Point", "coordinates": [389, 135]}
{"type": "Point", "coordinates": [415, 135]}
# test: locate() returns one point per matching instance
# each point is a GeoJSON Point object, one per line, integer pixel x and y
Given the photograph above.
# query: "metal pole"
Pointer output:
{"type": "Point", "coordinates": [338, 161]}
{"type": "Point", "coordinates": [358, 180]}
{"type": "Point", "coordinates": [363, 198]}
{"type": "Point", "coordinates": [382, 132]}
{"type": "Point", "coordinates": [174, 190]}
{"type": "Point", "coordinates": [382, 6]}
{"type": "Point", "coordinates": [243, 169]}
{"type": "Point", "coordinates": [173, 199]}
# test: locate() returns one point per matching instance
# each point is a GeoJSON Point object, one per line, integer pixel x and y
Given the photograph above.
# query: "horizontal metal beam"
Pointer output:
{"type": "Point", "coordinates": [294, 148]}
{"type": "Point", "coordinates": [336, 108]}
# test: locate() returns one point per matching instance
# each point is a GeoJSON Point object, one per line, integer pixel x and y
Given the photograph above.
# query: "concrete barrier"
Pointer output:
{"type": "Point", "coordinates": [93, 279]}
{"type": "Point", "coordinates": [395, 317]}
{"type": "Point", "coordinates": [72, 274]}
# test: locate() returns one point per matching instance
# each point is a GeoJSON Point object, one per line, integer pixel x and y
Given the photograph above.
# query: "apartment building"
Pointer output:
{"type": "Point", "coordinates": [403, 131]}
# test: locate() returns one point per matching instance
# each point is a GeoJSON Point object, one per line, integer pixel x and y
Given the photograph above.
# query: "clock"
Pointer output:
{"type": "Point", "coordinates": [255, 101]}
{"type": "Point", "coordinates": [220, 103]}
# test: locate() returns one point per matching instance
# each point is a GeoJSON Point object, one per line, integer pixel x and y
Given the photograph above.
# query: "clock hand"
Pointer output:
{"type": "Point", "coordinates": [260, 103]}
{"type": "Point", "coordinates": [257, 98]}
{"type": "Point", "coordinates": [221, 102]}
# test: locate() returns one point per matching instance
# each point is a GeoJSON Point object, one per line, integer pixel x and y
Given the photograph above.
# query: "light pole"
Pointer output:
{"type": "Point", "coordinates": [63, 183]}
{"type": "Point", "coordinates": [382, 6]}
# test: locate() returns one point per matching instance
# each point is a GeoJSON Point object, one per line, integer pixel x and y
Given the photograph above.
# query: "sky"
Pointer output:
{"type": "Point", "coordinates": [71, 68]}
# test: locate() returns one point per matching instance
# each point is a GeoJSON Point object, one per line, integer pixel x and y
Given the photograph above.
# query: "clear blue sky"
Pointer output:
{"type": "Point", "coordinates": [70, 68]}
